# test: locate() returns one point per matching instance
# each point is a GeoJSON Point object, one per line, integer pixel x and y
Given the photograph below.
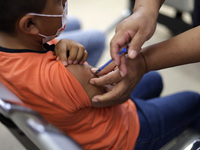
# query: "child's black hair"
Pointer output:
{"type": "Point", "coordinates": [12, 10]}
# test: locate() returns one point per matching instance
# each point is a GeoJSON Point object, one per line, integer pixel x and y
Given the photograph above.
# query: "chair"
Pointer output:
{"type": "Point", "coordinates": [184, 140]}
{"type": "Point", "coordinates": [176, 24]}
{"type": "Point", "coordinates": [30, 129]}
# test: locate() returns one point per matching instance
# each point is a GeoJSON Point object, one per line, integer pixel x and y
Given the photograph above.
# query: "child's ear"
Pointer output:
{"type": "Point", "coordinates": [27, 25]}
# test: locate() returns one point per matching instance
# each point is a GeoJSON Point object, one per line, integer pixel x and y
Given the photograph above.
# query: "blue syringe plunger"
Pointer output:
{"type": "Point", "coordinates": [124, 50]}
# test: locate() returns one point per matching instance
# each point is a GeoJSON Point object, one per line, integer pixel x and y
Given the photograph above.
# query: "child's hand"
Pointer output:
{"type": "Point", "coordinates": [70, 52]}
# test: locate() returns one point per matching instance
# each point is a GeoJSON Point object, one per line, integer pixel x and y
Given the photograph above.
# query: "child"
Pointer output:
{"type": "Point", "coordinates": [63, 95]}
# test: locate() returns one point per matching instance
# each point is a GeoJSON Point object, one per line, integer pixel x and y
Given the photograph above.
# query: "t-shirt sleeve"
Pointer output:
{"type": "Point", "coordinates": [63, 89]}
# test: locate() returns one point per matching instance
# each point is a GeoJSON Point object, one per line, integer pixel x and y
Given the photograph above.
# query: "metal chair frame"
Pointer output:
{"type": "Point", "coordinates": [31, 130]}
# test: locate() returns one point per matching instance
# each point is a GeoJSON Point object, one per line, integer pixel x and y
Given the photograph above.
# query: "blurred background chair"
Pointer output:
{"type": "Point", "coordinates": [176, 23]}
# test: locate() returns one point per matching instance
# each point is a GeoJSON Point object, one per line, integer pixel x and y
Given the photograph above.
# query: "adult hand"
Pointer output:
{"type": "Point", "coordinates": [123, 85]}
{"type": "Point", "coordinates": [134, 30]}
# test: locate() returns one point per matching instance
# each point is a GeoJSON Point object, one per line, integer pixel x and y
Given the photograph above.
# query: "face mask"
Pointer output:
{"type": "Point", "coordinates": [64, 22]}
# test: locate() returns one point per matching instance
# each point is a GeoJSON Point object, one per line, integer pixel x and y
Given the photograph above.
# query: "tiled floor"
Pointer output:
{"type": "Point", "coordinates": [100, 14]}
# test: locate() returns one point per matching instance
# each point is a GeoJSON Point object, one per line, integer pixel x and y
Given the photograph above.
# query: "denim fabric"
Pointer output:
{"type": "Point", "coordinates": [73, 23]}
{"type": "Point", "coordinates": [196, 13]}
{"type": "Point", "coordinates": [93, 40]}
{"type": "Point", "coordinates": [162, 118]}
{"type": "Point", "coordinates": [150, 86]}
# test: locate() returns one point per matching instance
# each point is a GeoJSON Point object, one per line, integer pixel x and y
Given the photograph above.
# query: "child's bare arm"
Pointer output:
{"type": "Point", "coordinates": [83, 74]}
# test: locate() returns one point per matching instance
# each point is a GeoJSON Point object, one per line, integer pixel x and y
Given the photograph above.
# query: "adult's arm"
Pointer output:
{"type": "Point", "coordinates": [179, 50]}
{"type": "Point", "coordinates": [135, 30]}
{"type": "Point", "coordinates": [182, 49]}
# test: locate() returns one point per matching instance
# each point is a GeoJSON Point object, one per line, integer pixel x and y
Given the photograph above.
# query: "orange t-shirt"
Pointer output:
{"type": "Point", "coordinates": [46, 86]}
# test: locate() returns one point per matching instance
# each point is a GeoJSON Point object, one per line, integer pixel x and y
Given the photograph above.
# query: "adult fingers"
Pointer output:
{"type": "Point", "coordinates": [122, 66]}
{"type": "Point", "coordinates": [120, 40]}
{"type": "Point", "coordinates": [136, 44]}
{"type": "Point", "coordinates": [117, 95]}
{"type": "Point", "coordinates": [104, 71]}
{"type": "Point", "coordinates": [110, 78]}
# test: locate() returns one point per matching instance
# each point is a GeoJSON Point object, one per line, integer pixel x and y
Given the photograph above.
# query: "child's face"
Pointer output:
{"type": "Point", "coordinates": [50, 25]}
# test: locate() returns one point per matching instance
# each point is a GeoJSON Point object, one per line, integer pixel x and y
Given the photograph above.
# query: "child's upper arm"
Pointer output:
{"type": "Point", "coordinates": [83, 74]}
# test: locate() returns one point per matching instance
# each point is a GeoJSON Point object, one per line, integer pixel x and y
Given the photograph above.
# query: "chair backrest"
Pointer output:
{"type": "Point", "coordinates": [181, 5]}
{"type": "Point", "coordinates": [5, 93]}
{"type": "Point", "coordinates": [38, 133]}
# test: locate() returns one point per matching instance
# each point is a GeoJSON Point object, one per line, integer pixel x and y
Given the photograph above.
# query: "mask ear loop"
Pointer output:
{"type": "Point", "coordinates": [44, 15]}
{"type": "Point", "coordinates": [66, 7]}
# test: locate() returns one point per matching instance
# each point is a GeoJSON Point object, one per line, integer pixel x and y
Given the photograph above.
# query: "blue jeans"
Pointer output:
{"type": "Point", "coordinates": [93, 40]}
{"type": "Point", "coordinates": [162, 118]}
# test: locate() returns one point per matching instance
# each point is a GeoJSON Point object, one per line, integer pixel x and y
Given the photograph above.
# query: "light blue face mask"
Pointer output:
{"type": "Point", "coordinates": [64, 22]}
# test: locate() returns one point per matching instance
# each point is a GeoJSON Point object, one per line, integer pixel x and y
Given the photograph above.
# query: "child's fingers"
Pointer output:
{"type": "Point", "coordinates": [73, 52]}
{"type": "Point", "coordinates": [63, 58]}
{"type": "Point", "coordinates": [60, 52]}
{"type": "Point", "coordinates": [70, 52]}
{"type": "Point", "coordinates": [80, 54]}
{"type": "Point", "coordinates": [84, 58]}
{"type": "Point", "coordinates": [58, 57]}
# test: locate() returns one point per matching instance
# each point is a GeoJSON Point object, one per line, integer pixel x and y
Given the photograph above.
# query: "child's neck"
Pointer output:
{"type": "Point", "coordinates": [14, 42]}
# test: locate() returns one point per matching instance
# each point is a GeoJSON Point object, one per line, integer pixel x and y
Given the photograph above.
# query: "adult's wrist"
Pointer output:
{"type": "Point", "coordinates": [137, 66]}
{"type": "Point", "coordinates": [148, 7]}
{"type": "Point", "coordinates": [144, 63]}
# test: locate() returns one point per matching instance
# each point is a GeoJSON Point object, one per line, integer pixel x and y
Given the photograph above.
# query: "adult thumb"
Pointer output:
{"type": "Point", "coordinates": [135, 45]}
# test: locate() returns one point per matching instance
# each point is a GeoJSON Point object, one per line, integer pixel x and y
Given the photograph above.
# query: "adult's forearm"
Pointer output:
{"type": "Point", "coordinates": [150, 5]}
{"type": "Point", "coordinates": [182, 49]}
